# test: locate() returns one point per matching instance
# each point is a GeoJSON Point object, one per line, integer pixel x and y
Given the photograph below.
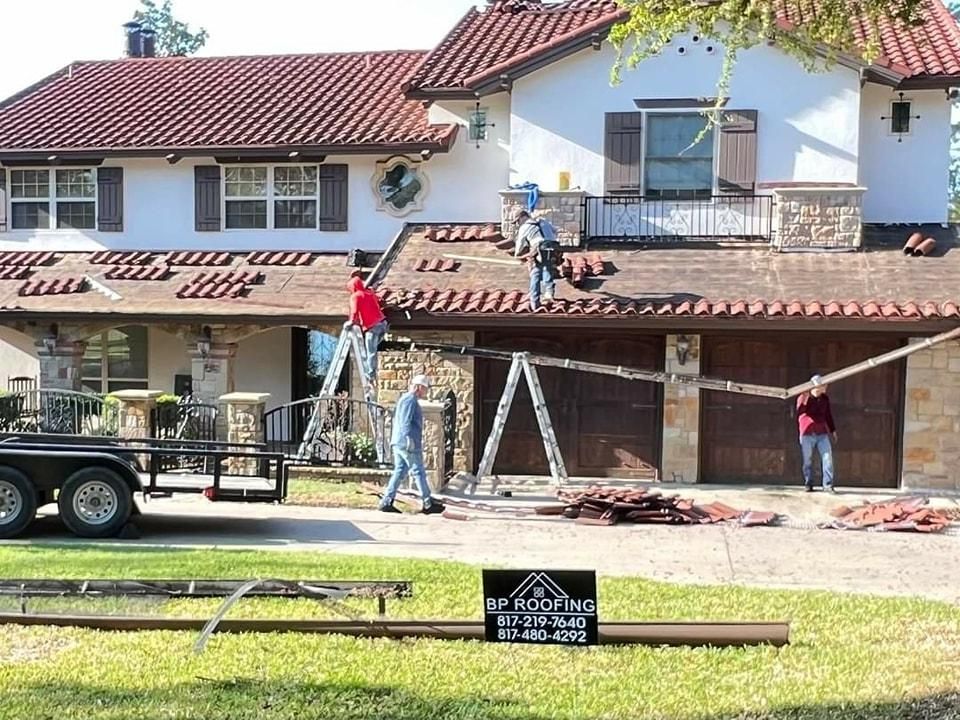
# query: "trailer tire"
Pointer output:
{"type": "Point", "coordinates": [18, 502]}
{"type": "Point", "coordinates": [95, 503]}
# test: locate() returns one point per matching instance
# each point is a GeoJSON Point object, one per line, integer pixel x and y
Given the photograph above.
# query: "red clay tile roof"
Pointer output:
{"type": "Point", "coordinates": [25, 259]}
{"type": "Point", "coordinates": [506, 36]}
{"type": "Point", "coordinates": [279, 258]}
{"type": "Point", "coordinates": [13, 272]}
{"type": "Point", "coordinates": [53, 286]}
{"type": "Point", "coordinates": [436, 265]}
{"type": "Point", "coordinates": [219, 285]}
{"type": "Point", "coordinates": [177, 103]}
{"type": "Point", "coordinates": [120, 258]}
{"type": "Point", "coordinates": [137, 272]}
{"type": "Point", "coordinates": [197, 259]}
{"type": "Point", "coordinates": [689, 282]}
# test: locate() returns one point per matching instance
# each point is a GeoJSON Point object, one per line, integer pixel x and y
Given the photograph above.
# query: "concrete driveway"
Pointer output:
{"type": "Point", "coordinates": [783, 557]}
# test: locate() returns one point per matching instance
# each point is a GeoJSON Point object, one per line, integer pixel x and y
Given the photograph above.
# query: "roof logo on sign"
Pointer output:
{"type": "Point", "coordinates": [541, 586]}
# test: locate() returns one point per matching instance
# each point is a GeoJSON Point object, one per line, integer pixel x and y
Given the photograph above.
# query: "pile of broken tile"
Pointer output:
{"type": "Point", "coordinates": [608, 506]}
{"type": "Point", "coordinates": [904, 514]}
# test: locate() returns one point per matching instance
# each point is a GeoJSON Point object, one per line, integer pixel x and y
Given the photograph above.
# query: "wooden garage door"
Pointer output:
{"type": "Point", "coordinates": [605, 426]}
{"type": "Point", "coordinates": [754, 440]}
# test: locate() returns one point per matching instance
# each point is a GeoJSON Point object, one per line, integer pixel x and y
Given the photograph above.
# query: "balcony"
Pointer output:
{"type": "Point", "coordinates": [634, 218]}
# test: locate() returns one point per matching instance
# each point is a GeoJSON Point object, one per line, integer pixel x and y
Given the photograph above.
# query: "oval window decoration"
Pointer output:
{"type": "Point", "coordinates": [400, 185]}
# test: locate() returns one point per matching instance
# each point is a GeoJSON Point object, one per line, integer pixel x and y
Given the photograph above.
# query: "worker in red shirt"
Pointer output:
{"type": "Point", "coordinates": [816, 431]}
{"type": "Point", "coordinates": [366, 314]}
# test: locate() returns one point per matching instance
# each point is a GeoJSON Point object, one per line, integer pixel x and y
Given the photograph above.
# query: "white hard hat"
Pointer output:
{"type": "Point", "coordinates": [421, 380]}
{"type": "Point", "coordinates": [817, 380]}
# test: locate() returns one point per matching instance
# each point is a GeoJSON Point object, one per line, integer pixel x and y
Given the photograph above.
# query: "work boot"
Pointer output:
{"type": "Point", "coordinates": [433, 508]}
{"type": "Point", "coordinates": [808, 488]}
{"type": "Point", "coordinates": [391, 508]}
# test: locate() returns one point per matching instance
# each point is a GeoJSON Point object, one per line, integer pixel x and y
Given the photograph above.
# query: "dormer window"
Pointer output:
{"type": "Point", "coordinates": [48, 199]}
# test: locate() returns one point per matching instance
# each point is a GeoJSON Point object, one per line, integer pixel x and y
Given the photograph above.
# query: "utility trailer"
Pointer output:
{"type": "Point", "coordinates": [94, 480]}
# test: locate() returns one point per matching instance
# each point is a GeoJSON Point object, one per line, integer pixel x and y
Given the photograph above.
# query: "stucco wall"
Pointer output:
{"type": "Point", "coordinates": [263, 365]}
{"type": "Point", "coordinates": [167, 357]}
{"type": "Point", "coordinates": [808, 124]}
{"type": "Point", "coordinates": [18, 356]}
{"type": "Point", "coordinates": [907, 181]}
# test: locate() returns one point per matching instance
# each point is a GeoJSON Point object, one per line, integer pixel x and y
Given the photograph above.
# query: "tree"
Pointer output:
{"type": "Point", "coordinates": [741, 24]}
{"type": "Point", "coordinates": [173, 37]}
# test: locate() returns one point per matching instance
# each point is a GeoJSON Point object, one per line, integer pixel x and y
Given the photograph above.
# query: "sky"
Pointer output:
{"type": "Point", "coordinates": [41, 36]}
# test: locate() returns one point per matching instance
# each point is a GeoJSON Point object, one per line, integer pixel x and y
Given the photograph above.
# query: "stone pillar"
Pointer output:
{"type": "Point", "coordinates": [563, 209]}
{"type": "Point", "coordinates": [931, 435]}
{"type": "Point", "coordinates": [61, 366]}
{"type": "Point", "coordinates": [213, 376]}
{"type": "Point", "coordinates": [818, 217]}
{"type": "Point", "coordinates": [135, 410]}
{"type": "Point", "coordinates": [433, 443]}
{"type": "Point", "coordinates": [244, 422]}
{"type": "Point", "coordinates": [681, 415]}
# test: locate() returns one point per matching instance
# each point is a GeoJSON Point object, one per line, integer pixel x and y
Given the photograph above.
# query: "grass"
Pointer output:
{"type": "Point", "coordinates": [850, 658]}
{"type": "Point", "coordinates": [321, 493]}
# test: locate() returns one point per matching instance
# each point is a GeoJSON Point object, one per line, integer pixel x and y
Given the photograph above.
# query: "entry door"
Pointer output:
{"type": "Point", "coordinates": [747, 439]}
{"type": "Point", "coordinates": [605, 426]}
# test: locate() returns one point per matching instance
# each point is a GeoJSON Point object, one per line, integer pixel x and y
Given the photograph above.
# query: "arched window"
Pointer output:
{"type": "Point", "coordinates": [116, 360]}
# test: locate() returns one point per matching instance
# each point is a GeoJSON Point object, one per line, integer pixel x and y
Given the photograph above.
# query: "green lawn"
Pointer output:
{"type": "Point", "coordinates": [851, 657]}
{"type": "Point", "coordinates": [320, 493]}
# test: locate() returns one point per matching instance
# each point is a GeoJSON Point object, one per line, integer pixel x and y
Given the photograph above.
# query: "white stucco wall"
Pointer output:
{"type": "Point", "coordinates": [159, 203]}
{"type": "Point", "coordinates": [18, 356]}
{"type": "Point", "coordinates": [263, 365]}
{"type": "Point", "coordinates": [167, 357]}
{"type": "Point", "coordinates": [908, 181]}
{"type": "Point", "coordinates": [808, 124]}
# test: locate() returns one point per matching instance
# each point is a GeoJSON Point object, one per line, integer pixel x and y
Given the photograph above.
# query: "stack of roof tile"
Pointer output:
{"type": "Point", "coordinates": [906, 514]}
{"type": "Point", "coordinates": [467, 233]}
{"type": "Point", "coordinates": [577, 268]}
{"type": "Point", "coordinates": [608, 506]}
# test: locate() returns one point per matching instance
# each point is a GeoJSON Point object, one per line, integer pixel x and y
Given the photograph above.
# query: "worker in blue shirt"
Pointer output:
{"type": "Point", "coordinates": [407, 441]}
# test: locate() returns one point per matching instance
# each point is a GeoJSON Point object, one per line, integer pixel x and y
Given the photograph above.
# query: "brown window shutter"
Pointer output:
{"type": "Point", "coordinates": [622, 152]}
{"type": "Point", "coordinates": [3, 200]}
{"type": "Point", "coordinates": [332, 207]}
{"type": "Point", "coordinates": [737, 161]}
{"type": "Point", "coordinates": [207, 198]}
{"type": "Point", "coordinates": [110, 199]}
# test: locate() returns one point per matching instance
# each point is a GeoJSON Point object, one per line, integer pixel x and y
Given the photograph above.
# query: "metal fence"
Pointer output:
{"type": "Point", "coordinates": [187, 420]}
{"type": "Point", "coordinates": [635, 218]}
{"type": "Point", "coordinates": [351, 432]}
{"type": "Point", "coordinates": [58, 412]}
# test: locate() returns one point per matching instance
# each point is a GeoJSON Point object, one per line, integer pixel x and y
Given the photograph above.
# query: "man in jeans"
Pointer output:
{"type": "Point", "coordinates": [537, 244]}
{"type": "Point", "coordinates": [365, 313]}
{"type": "Point", "coordinates": [816, 430]}
{"type": "Point", "coordinates": [407, 441]}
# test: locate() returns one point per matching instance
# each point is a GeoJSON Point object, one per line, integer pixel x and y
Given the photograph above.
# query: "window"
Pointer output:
{"type": "Point", "coordinates": [116, 360]}
{"type": "Point", "coordinates": [262, 197]}
{"type": "Point", "coordinates": [900, 117]}
{"type": "Point", "coordinates": [61, 198]}
{"type": "Point", "coordinates": [478, 125]}
{"type": "Point", "coordinates": [400, 186]}
{"type": "Point", "coordinates": [673, 166]}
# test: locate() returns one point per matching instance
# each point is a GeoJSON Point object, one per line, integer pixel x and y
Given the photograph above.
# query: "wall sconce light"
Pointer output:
{"type": "Point", "coordinates": [50, 339]}
{"type": "Point", "coordinates": [683, 349]}
{"type": "Point", "coordinates": [203, 342]}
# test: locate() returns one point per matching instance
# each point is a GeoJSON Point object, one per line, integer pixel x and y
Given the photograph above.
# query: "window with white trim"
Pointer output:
{"type": "Point", "coordinates": [673, 166]}
{"type": "Point", "coordinates": [116, 360]}
{"type": "Point", "coordinates": [61, 198]}
{"type": "Point", "coordinates": [270, 197]}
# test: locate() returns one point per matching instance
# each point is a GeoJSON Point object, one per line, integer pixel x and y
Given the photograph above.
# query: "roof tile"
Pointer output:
{"type": "Point", "coordinates": [13, 272]}
{"type": "Point", "coordinates": [25, 259]}
{"type": "Point", "coordinates": [197, 259]}
{"type": "Point", "coordinates": [215, 285]}
{"type": "Point", "coordinates": [53, 286]}
{"type": "Point", "coordinates": [107, 257]}
{"type": "Point", "coordinates": [138, 272]}
{"type": "Point", "coordinates": [279, 258]}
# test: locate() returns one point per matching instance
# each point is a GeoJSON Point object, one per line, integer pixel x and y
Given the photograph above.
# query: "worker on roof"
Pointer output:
{"type": "Point", "coordinates": [406, 439]}
{"type": "Point", "coordinates": [365, 313]}
{"type": "Point", "coordinates": [816, 427]}
{"type": "Point", "coordinates": [537, 244]}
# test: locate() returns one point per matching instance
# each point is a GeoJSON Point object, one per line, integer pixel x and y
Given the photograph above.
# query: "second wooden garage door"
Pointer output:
{"type": "Point", "coordinates": [748, 439]}
{"type": "Point", "coordinates": [605, 426]}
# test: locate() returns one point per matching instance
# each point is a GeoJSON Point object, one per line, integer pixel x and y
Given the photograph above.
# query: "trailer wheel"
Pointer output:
{"type": "Point", "coordinates": [95, 503]}
{"type": "Point", "coordinates": [18, 502]}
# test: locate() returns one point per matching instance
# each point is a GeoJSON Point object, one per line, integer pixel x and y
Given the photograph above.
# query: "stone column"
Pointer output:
{"type": "Point", "coordinates": [244, 422]}
{"type": "Point", "coordinates": [433, 443]}
{"type": "Point", "coordinates": [135, 414]}
{"type": "Point", "coordinates": [818, 217]}
{"type": "Point", "coordinates": [563, 209]}
{"type": "Point", "coordinates": [61, 366]}
{"type": "Point", "coordinates": [213, 376]}
{"type": "Point", "coordinates": [681, 415]}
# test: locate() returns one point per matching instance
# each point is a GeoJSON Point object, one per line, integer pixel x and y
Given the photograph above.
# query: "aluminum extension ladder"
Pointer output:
{"type": "Point", "coordinates": [351, 340]}
{"type": "Point", "coordinates": [521, 365]}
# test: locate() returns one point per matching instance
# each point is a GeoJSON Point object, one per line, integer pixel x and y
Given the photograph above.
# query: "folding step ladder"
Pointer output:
{"type": "Point", "coordinates": [351, 340]}
{"type": "Point", "coordinates": [520, 365]}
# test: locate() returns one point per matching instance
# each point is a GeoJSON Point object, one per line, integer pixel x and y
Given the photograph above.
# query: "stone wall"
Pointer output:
{"type": "Point", "coordinates": [681, 416]}
{"type": "Point", "coordinates": [562, 209]}
{"type": "Point", "coordinates": [931, 438]}
{"type": "Point", "coordinates": [244, 423]}
{"type": "Point", "coordinates": [60, 367]}
{"type": "Point", "coordinates": [812, 217]}
{"type": "Point", "coordinates": [448, 373]}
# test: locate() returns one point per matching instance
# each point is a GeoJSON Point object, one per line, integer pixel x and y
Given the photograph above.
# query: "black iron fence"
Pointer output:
{"type": "Point", "coordinates": [58, 412]}
{"type": "Point", "coordinates": [635, 218]}
{"type": "Point", "coordinates": [449, 430]}
{"type": "Point", "coordinates": [349, 432]}
{"type": "Point", "coordinates": [187, 420]}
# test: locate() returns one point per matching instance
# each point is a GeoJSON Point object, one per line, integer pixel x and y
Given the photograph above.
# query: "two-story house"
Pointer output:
{"type": "Point", "coordinates": [189, 222]}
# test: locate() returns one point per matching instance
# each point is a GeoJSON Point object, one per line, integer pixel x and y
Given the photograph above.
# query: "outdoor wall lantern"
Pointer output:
{"type": "Point", "coordinates": [683, 349]}
{"type": "Point", "coordinates": [203, 342]}
{"type": "Point", "coordinates": [50, 340]}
